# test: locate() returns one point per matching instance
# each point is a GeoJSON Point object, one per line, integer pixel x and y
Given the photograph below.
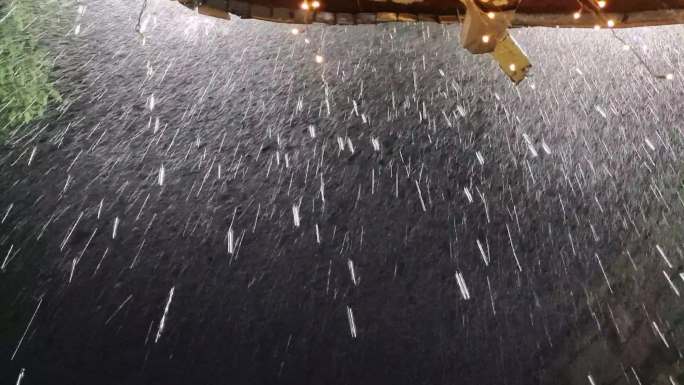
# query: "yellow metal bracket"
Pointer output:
{"type": "Point", "coordinates": [511, 59]}
{"type": "Point", "coordinates": [487, 32]}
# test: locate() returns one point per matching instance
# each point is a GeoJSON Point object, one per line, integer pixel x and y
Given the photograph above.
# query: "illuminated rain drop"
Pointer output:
{"type": "Point", "coordinates": [162, 322]}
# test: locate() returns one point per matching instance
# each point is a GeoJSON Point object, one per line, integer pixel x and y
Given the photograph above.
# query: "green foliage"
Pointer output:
{"type": "Point", "coordinates": [25, 87]}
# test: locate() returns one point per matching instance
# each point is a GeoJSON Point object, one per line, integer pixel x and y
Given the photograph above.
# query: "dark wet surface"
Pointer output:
{"type": "Point", "coordinates": [425, 163]}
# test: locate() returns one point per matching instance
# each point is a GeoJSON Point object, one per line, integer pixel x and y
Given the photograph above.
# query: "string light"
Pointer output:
{"type": "Point", "coordinates": [306, 6]}
{"type": "Point", "coordinates": [295, 31]}
{"type": "Point", "coordinates": [669, 76]}
{"type": "Point", "coordinates": [485, 38]}
{"type": "Point", "coordinates": [611, 23]}
{"type": "Point", "coordinates": [491, 15]}
{"type": "Point", "coordinates": [319, 59]}
{"type": "Point", "coordinates": [601, 4]}
{"type": "Point", "coordinates": [576, 15]}
{"type": "Point", "coordinates": [512, 67]}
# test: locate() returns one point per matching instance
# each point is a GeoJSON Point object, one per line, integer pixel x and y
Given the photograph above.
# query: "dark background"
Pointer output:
{"type": "Point", "coordinates": [581, 163]}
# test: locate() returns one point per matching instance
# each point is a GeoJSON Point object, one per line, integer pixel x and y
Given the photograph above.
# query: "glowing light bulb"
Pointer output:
{"type": "Point", "coordinates": [319, 59]}
{"type": "Point", "coordinates": [576, 15]}
{"type": "Point", "coordinates": [316, 4]}
{"type": "Point", "coordinates": [611, 23]}
{"type": "Point", "coordinates": [601, 4]}
{"type": "Point", "coordinates": [305, 6]}
{"type": "Point", "coordinates": [597, 27]}
{"type": "Point", "coordinates": [485, 38]}
{"type": "Point", "coordinates": [669, 76]}
{"type": "Point", "coordinates": [512, 67]}
{"type": "Point", "coordinates": [295, 31]}
{"type": "Point", "coordinates": [491, 15]}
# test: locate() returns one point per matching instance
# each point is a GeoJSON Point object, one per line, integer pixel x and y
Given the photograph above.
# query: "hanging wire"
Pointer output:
{"type": "Point", "coordinates": [138, 27]}
{"type": "Point", "coordinates": [586, 4]}
{"type": "Point", "coordinates": [639, 57]}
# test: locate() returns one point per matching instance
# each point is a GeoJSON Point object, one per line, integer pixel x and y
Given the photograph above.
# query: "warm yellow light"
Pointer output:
{"type": "Point", "coordinates": [601, 4]}
{"type": "Point", "coordinates": [295, 31]}
{"type": "Point", "coordinates": [611, 23]}
{"type": "Point", "coordinates": [597, 27]}
{"type": "Point", "coordinates": [305, 6]}
{"type": "Point", "coordinates": [576, 15]}
{"type": "Point", "coordinates": [491, 15]}
{"type": "Point", "coordinates": [319, 59]}
{"type": "Point", "coordinates": [512, 67]}
{"type": "Point", "coordinates": [315, 4]}
{"type": "Point", "coordinates": [485, 38]}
